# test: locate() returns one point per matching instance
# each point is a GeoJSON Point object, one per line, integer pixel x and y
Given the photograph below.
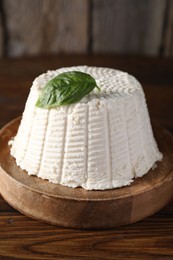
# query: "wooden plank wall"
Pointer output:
{"type": "Point", "coordinates": [1, 31]}
{"type": "Point", "coordinates": [44, 26]}
{"type": "Point", "coordinates": [34, 27]}
{"type": "Point", "coordinates": [168, 34]}
{"type": "Point", "coordinates": [134, 26]}
{"type": "Point", "coordinates": [1, 38]}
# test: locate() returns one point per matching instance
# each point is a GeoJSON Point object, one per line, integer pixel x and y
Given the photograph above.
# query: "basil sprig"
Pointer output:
{"type": "Point", "coordinates": [65, 89]}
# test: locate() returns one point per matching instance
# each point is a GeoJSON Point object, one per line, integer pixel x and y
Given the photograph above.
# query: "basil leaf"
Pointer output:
{"type": "Point", "coordinates": [65, 89]}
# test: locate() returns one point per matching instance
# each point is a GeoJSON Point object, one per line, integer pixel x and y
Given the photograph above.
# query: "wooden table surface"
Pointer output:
{"type": "Point", "coordinates": [24, 238]}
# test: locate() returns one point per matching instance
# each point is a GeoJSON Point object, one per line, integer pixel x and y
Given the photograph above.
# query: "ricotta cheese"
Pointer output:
{"type": "Point", "coordinates": [102, 142]}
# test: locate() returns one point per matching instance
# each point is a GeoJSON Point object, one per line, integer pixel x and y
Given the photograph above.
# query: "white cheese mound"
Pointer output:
{"type": "Point", "coordinates": [102, 142]}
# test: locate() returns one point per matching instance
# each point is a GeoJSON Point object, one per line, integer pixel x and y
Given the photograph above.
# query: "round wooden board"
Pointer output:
{"type": "Point", "coordinates": [78, 208]}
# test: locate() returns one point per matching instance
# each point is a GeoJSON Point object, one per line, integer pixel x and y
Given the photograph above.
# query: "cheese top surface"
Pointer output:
{"type": "Point", "coordinates": [113, 83]}
{"type": "Point", "coordinates": [102, 142]}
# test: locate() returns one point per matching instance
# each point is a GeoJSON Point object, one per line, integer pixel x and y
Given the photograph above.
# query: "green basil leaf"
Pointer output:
{"type": "Point", "coordinates": [65, 89]}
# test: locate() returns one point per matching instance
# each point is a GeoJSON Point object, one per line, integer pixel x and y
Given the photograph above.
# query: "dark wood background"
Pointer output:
{"type": "Point", "coordinates": [34, 27]}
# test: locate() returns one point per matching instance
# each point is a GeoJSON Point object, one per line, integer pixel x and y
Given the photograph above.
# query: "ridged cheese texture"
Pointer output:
{"type": "Point", "coordinates": [102, 142]}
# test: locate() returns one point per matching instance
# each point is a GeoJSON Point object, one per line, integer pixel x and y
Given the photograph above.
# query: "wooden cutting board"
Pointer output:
{"type": "Point", "coordinates": [78, 208]}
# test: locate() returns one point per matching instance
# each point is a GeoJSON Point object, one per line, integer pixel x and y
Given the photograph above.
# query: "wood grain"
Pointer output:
{"type": "Point", "coordinates": [1, 36]}
{"type": "Point", "coordinates": [34, 27]}
{"type": "Point", "coordinates": [21, 237]}
{"type": "Point", "coordinates": [46, 26]}
{"type": "Point", "coordinates": [168, 33]}
{"type": "Point", "coordinates": [128, 26]}
{"type": "Point", "coordinates": [24, 238]}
